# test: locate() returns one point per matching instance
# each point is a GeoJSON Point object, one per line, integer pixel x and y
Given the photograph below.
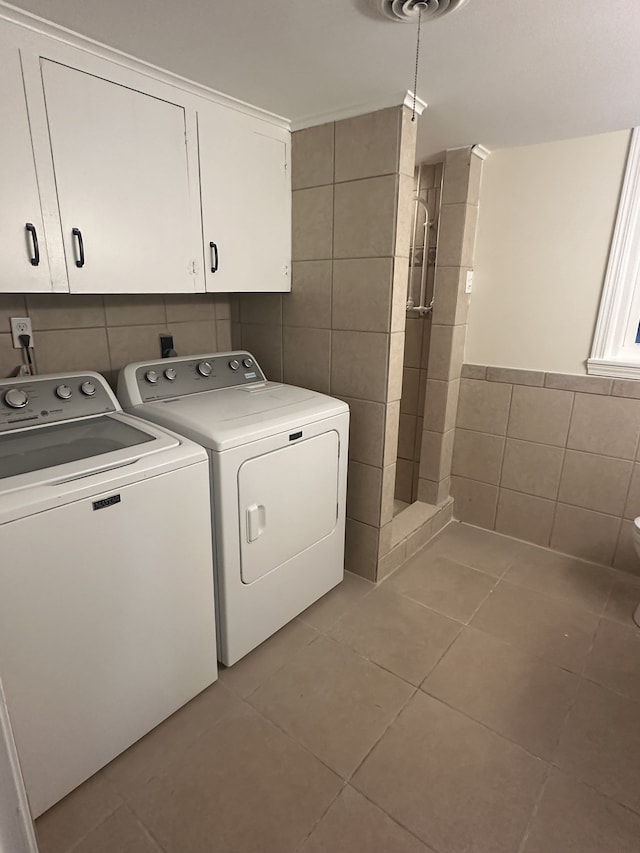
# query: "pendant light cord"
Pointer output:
{"type": "Point", "coordinates": [415, 76]}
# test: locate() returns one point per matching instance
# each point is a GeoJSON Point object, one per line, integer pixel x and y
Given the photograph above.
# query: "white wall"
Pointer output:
{"type": "Point", "coordinates": [546, 219]}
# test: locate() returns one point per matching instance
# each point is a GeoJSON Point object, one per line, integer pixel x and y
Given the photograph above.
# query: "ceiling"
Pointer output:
{"type": "Point", "coordinates": [498, 72]}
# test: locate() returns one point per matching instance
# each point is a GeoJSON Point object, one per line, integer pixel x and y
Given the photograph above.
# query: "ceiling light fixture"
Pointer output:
{"type": "Point", "coordinates": [408, 11]}
{"type": "Point", "coordinates": [412, 11]}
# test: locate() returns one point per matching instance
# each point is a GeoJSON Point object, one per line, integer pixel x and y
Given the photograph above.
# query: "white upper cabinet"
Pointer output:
{"type": "Point", "coordinates": [121, 172]}
{"type": "Point", "coordinates": [117, 177]}
{"type": "Point", "coordinates": [24, 265]}
{"type": "Point", "coordinates": [246, 201]}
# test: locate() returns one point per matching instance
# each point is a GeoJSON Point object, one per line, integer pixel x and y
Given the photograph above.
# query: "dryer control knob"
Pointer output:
{"type": "Point", "coordinates": [88, 388]}
{"type": "Point", "coordinates": [170, 374]}
{"type": "Point", "coordinates": [234, 364]}
{"type": "Point", "coordinates": [151, 376]}
{"type": "Point", "coordinates": [205, 369]}
{"type": "Point", "coordinates": [64, 392]}
{"type": "Point", "coordinates": [248, 362]}
{"type": "Point", "coordinates": [16, 398]}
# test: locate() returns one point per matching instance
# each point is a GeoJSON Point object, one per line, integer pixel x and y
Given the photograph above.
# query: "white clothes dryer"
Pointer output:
{"type": "Point", "coordinates": [107, 613]}
{"type": "Point", "coordinates": [278, 483]}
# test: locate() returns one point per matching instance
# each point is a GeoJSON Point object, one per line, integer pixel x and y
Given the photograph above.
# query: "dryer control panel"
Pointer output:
{"type": "Point", "coordinates": [176, 377]}
{"type": "Point", "coordinates": [34, 400]}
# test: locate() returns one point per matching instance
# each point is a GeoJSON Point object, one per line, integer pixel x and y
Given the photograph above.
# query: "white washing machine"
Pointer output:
{"type": "Point", "coordinates": [278, 476]}
{"type": "Point", "coordinates": [107, 614]}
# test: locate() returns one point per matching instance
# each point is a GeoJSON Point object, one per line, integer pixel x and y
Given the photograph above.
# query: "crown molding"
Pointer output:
{"type": "Point", "coordinates": [401, 99]}
{"type": "Point", "coordinates": [480, 151]}
{"type": "Point", "coordinates": [40, 26]}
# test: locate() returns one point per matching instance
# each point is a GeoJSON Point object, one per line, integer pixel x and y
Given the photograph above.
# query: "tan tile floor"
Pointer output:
{"type": "Point", "coordinates": [484, 699]}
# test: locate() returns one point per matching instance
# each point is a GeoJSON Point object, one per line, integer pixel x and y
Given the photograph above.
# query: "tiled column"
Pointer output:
{"type": "Point", "coordinates": [341, 329]}
{"type": "Point", "coordinates": [456, 237]}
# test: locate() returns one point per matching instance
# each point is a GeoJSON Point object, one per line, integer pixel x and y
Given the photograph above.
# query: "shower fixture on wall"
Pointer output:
{"type": "Point", "coordinates": [408, 11]}
{"type": "Point", "coordinates": [422, 308]}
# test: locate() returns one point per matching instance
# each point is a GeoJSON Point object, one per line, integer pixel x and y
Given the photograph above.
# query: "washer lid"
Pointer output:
{"type": "Point", "coordinates": [230, 417]}
{"type": "Point", "coordinates": [35, 449]}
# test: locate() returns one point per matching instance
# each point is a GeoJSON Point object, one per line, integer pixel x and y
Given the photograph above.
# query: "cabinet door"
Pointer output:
{"type": "Point", "coordinates": [120, 163]}
{"type": "Point", "coordinates": [24, 265]}
{"type": "Point", "coordinates": [246, 202]}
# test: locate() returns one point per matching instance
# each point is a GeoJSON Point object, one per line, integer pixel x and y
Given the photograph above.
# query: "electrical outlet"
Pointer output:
{"type": "Point", "coordinates": [20, 326]}
{"type": "Point", "coordinates": [468, 287]}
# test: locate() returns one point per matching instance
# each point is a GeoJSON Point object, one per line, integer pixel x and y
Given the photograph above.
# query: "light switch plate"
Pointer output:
{"type": "Point", "coordinates": [469, 282]}
{"type": "Point", "coordinates": [20, 326]}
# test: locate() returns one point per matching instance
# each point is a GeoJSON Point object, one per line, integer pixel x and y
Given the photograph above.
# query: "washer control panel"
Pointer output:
{"type": "Point", "coordinates": [176, 377]}
{"type": "Point", "coordinates": [33, 400]}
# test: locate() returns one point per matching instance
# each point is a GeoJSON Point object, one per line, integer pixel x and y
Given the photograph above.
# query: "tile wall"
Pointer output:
{"type": "Point", "coordinates": [103, 333]}
{"type": "Point", "coordinates": [550, 458]}
{"type": "Point", "coordinates": [341, 329]}
{"type": "Point", "coordinates": [455, 242]}
{"type": "Point", "coordinates": [417, 337]}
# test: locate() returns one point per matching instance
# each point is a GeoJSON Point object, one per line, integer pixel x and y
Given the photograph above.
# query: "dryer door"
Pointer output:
{"type": "Point", "coordinates": [288, 501]}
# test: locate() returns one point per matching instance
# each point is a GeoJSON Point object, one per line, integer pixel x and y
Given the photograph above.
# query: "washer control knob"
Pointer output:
{"type": "Point", "coordinates": [151, 376]}
{"type": "Point", "coordinates": [170, 374]}
{"type": "Point", "coordinates": [248, 362]}
{"type": "Point", "coordinates": [88, 388]}
{"type": "Point", "coordinates": [205, 369]}
{"type": "Point", "coordinates": [16, 398]}
{"type": "Point", "coordinates": [234, 364]}
{"type": "Point", "coordinates": [64, 392]}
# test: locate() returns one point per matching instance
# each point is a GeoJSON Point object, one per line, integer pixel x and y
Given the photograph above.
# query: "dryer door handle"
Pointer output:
{"type": "Point", "coordinates": [256, 521]}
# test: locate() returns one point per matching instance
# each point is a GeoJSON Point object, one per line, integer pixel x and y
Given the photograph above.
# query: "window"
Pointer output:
{"type": "Point", "coordinates": [616, 345]}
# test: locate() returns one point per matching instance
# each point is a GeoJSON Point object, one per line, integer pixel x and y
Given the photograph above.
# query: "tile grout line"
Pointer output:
{"type": "Point", "coordinates": [573, 703]}
{"type": "Point", "coordinates": [394, 819]}
{"type": "Point", "coordinates": [75, 844]}
{"type": "Point", "coordinates": [503, 456]}
{"type": "Point", "coordinates": [544, 661]}
{"type": "Point", "coordinates": [78, 841]}
{"type": "Point", "coordinates": [624, 507]}
{"type": "Point", "coordinates": [591, 787]}
{"type": "Point", "coordinates": [270, 722]}
{"type": "Point", "coordinates": [616, 573]}
{"type": "Point", "coordinates": [607, 689]}
{"type": "Point", "coordinates": [297, 742]}
{"type": "Point", "coordinates": [495, 586]}
{"type": "Point", "coordinates": [147, 830]}
{"type": "Point", "coordinates": [488, 728]}
{"type": "Point", "coordinates": [299, 650]}
{"type": "Point", "coordinates": [319, 820]}
{"type": "Point", "coordinates": [384, 732]}
{"type": "Point", "coordinates": [564, 459]}
{"type": "Point", "coordinates": [362, 656]}
{"type": "Point", "coordinates": [534, 811]}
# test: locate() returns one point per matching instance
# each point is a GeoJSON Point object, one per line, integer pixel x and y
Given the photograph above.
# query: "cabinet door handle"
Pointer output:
{"type": "Point", "coordinates": [214, 256]}
{"type": "Point", "coordinates": [77, 233]}
{"type": "Point", "coordinates": [31, 229]}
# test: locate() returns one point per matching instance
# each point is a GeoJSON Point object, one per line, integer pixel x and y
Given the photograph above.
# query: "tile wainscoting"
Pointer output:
{"type": "Point", "coordinates": [550, 458]}
{"type": "Point", "coordinates": [103, 333]}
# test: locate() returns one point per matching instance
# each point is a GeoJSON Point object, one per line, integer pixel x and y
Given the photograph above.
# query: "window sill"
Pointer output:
{"type": "Point", "coordinates": [612, 367]}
